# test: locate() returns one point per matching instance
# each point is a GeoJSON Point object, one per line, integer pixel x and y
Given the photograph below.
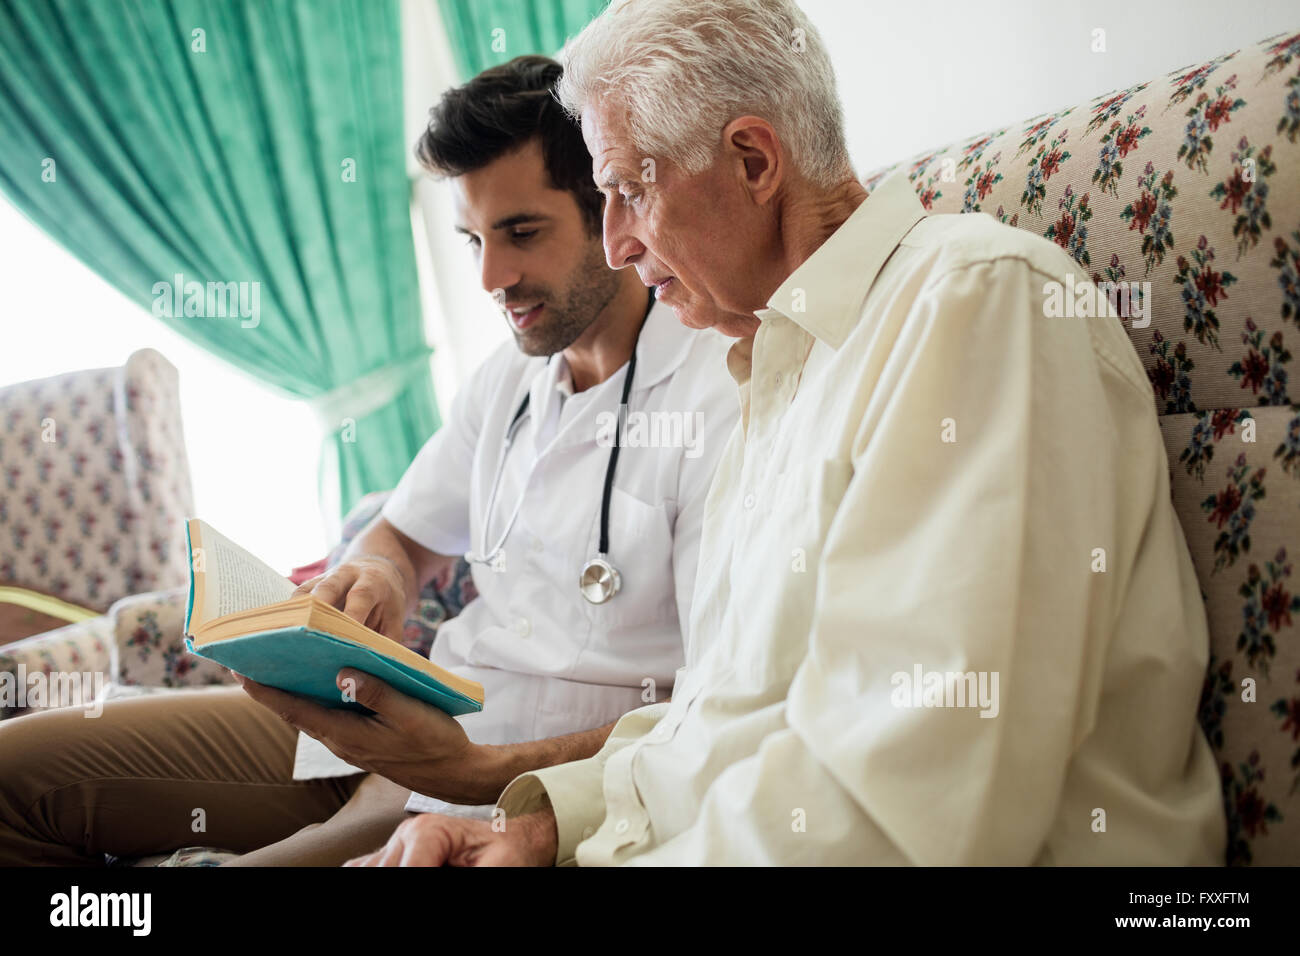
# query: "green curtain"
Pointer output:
{"type": "Point", "coordinates": [173, 142]}
{"type": "Point", "coordinates": [484, 33]}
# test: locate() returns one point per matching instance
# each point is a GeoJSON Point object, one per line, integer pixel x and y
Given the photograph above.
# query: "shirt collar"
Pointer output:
{"type": "Point", "coordinates": [824, 295]}
{"type": "Point", "coordinates": [663, 346]}
{"type": "Point", "coordinates": [546, 396]}
{"type": "Point", "coordinates": [558, 377]}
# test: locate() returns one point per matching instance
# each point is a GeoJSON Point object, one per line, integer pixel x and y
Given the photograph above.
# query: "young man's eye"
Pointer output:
{"type": "Point", "coordinates": [522, 235]}
{"type": "Point", "coordinates": [472, 241]}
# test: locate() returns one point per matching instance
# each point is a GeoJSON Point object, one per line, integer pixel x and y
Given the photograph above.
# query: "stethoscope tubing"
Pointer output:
{"type": "Point", "coordinates": [512, 430]}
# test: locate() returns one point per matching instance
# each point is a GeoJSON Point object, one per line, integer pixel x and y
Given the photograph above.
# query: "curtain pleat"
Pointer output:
{"type": "Point", "coordinates": [526, 26]}
{"type": "Point", "coordinates": [273, 153]}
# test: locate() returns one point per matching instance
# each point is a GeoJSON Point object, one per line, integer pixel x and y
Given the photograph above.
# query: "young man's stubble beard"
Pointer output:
{"type": "Point", "coordinates": [588, 290]}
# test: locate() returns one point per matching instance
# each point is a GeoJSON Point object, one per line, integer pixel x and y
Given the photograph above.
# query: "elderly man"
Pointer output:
{"type": "Point", "coordinates": [905, 647]}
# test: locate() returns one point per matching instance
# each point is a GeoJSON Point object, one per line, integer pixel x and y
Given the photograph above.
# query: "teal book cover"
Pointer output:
{"type": "Point", "coordinates": [305, 661]}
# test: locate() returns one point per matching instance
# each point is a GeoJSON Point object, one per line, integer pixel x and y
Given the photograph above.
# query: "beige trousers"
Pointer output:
{"type": "Point", "coordinates": [186, 768]}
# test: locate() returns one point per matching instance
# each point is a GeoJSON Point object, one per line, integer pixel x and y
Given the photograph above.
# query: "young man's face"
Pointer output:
{"type": "Point", "coordinates": [547, 273]}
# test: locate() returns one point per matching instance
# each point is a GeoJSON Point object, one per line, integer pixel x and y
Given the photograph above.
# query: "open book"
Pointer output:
{"type": "Point", "coordinates": [244, 615]}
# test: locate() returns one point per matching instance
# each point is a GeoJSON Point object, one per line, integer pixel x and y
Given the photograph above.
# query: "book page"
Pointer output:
{"type": "Point", "coordinates": [233, 579]}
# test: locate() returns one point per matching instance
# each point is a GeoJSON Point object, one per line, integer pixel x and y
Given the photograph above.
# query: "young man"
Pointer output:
{"type": "Point", "coordinates": [584, 552]}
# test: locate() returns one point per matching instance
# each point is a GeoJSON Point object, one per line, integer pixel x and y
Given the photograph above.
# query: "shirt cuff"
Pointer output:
{"type": "Point", "coordinates": [577, 794]}
{"type": "Point", "coordinates": [422, 528]}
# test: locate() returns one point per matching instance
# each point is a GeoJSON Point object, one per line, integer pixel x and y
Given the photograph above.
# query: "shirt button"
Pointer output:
{"type": "Point", "coordinates": [523, 627]}
{"type": "Point", "coordinates": [749, 501]}
{"type": "Point", "coordinates": [622, 826]}
{"type": "Point", "coordinates": [537, 545]}
{"type": "Point", "coordinates": [776, 380]}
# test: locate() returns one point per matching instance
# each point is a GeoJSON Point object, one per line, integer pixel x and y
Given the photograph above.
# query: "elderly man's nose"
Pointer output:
{"type": "Point", "coordinates": [621, 247]}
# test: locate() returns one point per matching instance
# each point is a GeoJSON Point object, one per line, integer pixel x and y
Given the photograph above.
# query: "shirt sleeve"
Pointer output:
{"type": "Point", "coordinates": [431, 503]}
{"type": "Point", "coordinates": [991, 576]}
{"type": "Point", "coordinates": [576, 789]}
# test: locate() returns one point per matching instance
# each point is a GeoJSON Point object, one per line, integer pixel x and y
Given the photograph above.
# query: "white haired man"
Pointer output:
{"type": "Point", "coordinates": [903, 650]}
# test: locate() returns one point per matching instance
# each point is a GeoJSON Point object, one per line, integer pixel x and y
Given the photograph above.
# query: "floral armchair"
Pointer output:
{"type": "Point", "coordinates": [94, 494]}
{"type": "Point", "coordinates": [94, 490]}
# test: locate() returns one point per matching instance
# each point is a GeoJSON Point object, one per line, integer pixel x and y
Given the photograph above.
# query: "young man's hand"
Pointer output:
{"type": "Point", "coordinates": [369, 588]}
{"type": "Point", "coordinates": [415, 744]}
{"type": "Point", "coordinates": [430, 839]}
{"type": "Point", "coordinates": [412, 743]}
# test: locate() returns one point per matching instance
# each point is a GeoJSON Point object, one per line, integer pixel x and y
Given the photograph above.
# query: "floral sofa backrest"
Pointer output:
{"type": "Point", "coordinates": [94, 483]}
{"type": "Point", "coordinates": [1191, 183]}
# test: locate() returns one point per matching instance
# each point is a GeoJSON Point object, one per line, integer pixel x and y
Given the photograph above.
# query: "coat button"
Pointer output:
{"type": "Point", "coordinates": [622, 826]}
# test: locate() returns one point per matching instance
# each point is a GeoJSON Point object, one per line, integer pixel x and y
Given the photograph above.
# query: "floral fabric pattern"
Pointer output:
{"type": "Point", "coordinates": [94, 483]}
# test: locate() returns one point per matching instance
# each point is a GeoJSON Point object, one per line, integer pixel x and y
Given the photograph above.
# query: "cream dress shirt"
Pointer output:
{"type": "Point", "coordinates": [928, 478]}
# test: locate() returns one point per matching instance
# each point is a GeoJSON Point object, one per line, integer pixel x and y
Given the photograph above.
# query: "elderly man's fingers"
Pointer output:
{"type": "Point", "coordinates": [430, 839]}
{"type": "Point", "coordinates": [393, 850]}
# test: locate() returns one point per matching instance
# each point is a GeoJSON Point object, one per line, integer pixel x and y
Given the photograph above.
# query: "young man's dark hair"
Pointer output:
{"type": "Point", "coordinates": [501, 109]}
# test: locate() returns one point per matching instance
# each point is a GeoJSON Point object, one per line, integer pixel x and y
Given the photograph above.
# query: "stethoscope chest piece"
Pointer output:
{"type": "Point", "coordinates": [599, 581]}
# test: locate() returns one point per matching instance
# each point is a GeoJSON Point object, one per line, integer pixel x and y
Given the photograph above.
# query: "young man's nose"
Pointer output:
{"type": "Point", "coordinates": [497, 270]}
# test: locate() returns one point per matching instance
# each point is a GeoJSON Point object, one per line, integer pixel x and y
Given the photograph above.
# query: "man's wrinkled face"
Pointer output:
{"type": "Point", "coordinates": [672, 228]}
{"type": "Point", "coordinates": [546, 272]}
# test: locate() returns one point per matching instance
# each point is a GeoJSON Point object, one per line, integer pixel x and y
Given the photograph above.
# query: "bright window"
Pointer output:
{"type": "Point", "coordinates": [252, 452]}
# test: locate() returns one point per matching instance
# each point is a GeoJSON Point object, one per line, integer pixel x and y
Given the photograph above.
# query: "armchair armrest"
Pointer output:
{"type": "Point", "coordinates": [149, 640]}
{"type": "Point", "coordinates": [67, 659]}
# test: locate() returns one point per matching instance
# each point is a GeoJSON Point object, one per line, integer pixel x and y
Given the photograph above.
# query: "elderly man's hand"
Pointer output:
{"type": "Point", "coordinates": [410, 742]}
{"type": "Point", "coordinates": [429, 839]}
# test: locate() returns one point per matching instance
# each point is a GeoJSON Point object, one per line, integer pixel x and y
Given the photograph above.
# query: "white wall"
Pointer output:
{"type": "Point", "coordinates": [461, 322]}
{"type": "Point", "coordinates": [918, 75]}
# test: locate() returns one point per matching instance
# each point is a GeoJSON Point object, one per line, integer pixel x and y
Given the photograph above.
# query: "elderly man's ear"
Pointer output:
{"type": "Point", "coordinates": [754, 143]}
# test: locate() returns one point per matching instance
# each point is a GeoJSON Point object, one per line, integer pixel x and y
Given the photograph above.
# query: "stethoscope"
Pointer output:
{"type": "Point", "coordinates": [599, 580]}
